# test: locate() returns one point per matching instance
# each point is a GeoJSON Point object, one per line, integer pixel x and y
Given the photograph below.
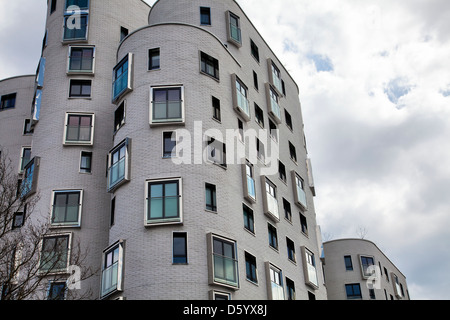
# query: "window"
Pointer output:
{"type": "Point", "coordinates": [66, 208]}
{"type": "Point", "coordinates": [123, 33]}
{"type": "Point", "coordinates": [304, 224]}
{"type": "Point", "coordinates": [217, 152]}
{"type": "Point", "coordinates": [290, 289]}
{"type": "Point", "coordinates": [234, 29]}
{"type": "Point", "coordinates": [249, 182]}
{"type": "Point", "coordinates": [210, 197]}
{"type": "Point", "coordinates": [27, 128]}
{"type": "Point", "coordinates": [82, 4]}
{"type": "Point", "coordinates": [113, 212]}
{"type": "Point", "coordinates": [218, 295]}
{"type": "Point", "coordinates": [76, 18]}
{"type": "Point", "coordinates": [353, 291]}
{"type": "Point", "coordinates": [112, 269]}
{"type": "Point", "coordinates": [290, 249]}
{"type": "Point", "coordinates": [254, 50]}
{"type": "Point", "coordinates": [309, 267]}
{"type": "Point", "coordinates": [56, 290]}
{"type": "Point", "coordinates": [81, 60]}
{"type": "Point", "coordinates": [119, 116]}
{"type": "Point", "coordinates": [255, 80]}
{"type": "Point", "coordinates": [281, 171]}
{"type": "Point", "coordinates": [250, 268]}
{"type": "Point", "coordinates": [249, 220]}
{"type": "Point", "coordinates": [118, 164]}
{"type": "Point", "coordinates": [223, 264]}
{"type": "Point", "coordinates": [179, 248]}
{"type": "Point", "coordinates": [260, 151]}
{"type": "Point", "coordinates": [299, 191]}
{"type": "Point", "coordinates": [240, 101]}
{"type": "Point", "coordinates": [79, 129]}
{"type": "Point", "coordinates": [154, 59]}
{"type": "Point", "coordinates": [292, 152]}
{"type": "Point", "coordinates": [271, 202]}
{"type": "Point", "coordinates": [25, 157]}
{"type": "Point", "coordinates": [272, 232]}
{"type": "Point", "coordinates": [275, 77]}
{"type": "Point", "coordinates": [53, 6]}
{"type": "Point", "coordinates": [80, 88]}
{"type": "Point", "coordinates": [169, 144]}
{"type": "Point", "coordinates": [8, 101]}
{"type": "Point", "coordinates": [167, 105]}
{"type": "Point", "coordinates": [163, 202]}
{"type": "Point", "coordinates": [287, 210]}
{"type": "Point", "coordinates": [372, 294]}
{"type": "Point", "coordinates": [273, 130]}
{"type": "Point", "coordinates": [30, 177]}
{"type": "Point", "coordinates": [209, 65]}
{"type": "Point", "coordinates": [259, 116]}
{"type": "Point", "coordinates": [205, 16]}
{"type": "Point", "coordinates": [54, 253]}
{"type": "Point", "coordinates": [86, 162]}
{"type": "Point", "coordinates": [273, 103]}
{"type": "Point", "coordinates": [123, 77]}
{"type": "Point", "coordinates": [348, 263]}
{"type": "Point", "coordinates": [288, 118]}
{"type": "Point", "coordinates": [216, 108]}
{"type": "Point", "coordinates": [276, 282]}
{"type": "Point", "coordinates": [366, 266]}
{"type": "Point", "coordinates": [18, 220]}
{"type": "Point", "coordinates": [241, 130]}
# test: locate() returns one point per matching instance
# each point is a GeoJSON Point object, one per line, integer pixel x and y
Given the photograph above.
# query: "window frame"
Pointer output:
{"type": "Point", "coordinates": [28, 188]}
{"type": "Point", "coordinates": [167, 121]}
{"type": "Point", "coordinates": [274, 275]}
{"type": "Point", "coordinates": [80, 71]}
{"type": "Point", "coordinates": [251, 267]}
{"type": "Point", "coordinates": [89, 142]}
{"type": "Point", "coordinates": [83, 14]}
{"type": "Point", "coordinates": [207, 62]}
{"type": "Point", "coordinates": [229, 17]}
{"type": "Point", "coordinates": [249, 218]}
{"type": "Point", "coordinates": [117, 124]}
{"type": "Point", "coordinates": [120, 245]}
{"type": "Point", "coordinates": [205, 11]}
{"type": "Point", "coordinates": [212, 190]}
{"type": "Point", "coordinates": [82, 83]}
{"type": "Point", "coordinates": [163, 220]}
{"type": "Point", "coordinates": [212, 278]}
{"type": "Point", "coordinates": [62, 269]}
{"type": "Point", "coordinates": [129, 59]}
{"type": "Point", "coordinates": [5, 101]}
{"type": "Point", "coordinates": [23, 164]}
{"type": "Point", "coordinates": [173, 137]}
{"type": "Point", "coordinates": [216, 147]}
{"type": "Point", "coordinates": [240, 96]}
{"type": "Point", "coordinates": [272, 236]}
{"type": "Point", "coordinates": [364, 266]}
{"type": "Point", "coordinates": [87, 169]}
{"type": "Point", "coordinates": [153, 53]}
{"type": "Point", "coordinates": [270, 205]}
{"type": "Point", "coordinates": [348, 263]}
{"type": "Point", "coordinates": [248, 174]}
{"type": "Point", "coordinates": [353, 296]}
{"type": "Point", "coordinates": [185, 254]}
{"type": "Point", "coordinates": [254, 50]}
{"type": "Point", "coordinates": [309, 267]}
{"type": "Point", "coordinates": [64, 290]}
{"type": "Point", "coordinates": [65, 224]}
{"type": "Point", "coordinates": [216, 109]}
{"type": "Point", "coordinates": [124, 143]}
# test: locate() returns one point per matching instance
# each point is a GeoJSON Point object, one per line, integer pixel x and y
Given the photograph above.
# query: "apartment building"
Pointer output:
{"type": "Point", "coordinates": [167, 140]}
{"type": "Point", "coordinates": [356, 269]}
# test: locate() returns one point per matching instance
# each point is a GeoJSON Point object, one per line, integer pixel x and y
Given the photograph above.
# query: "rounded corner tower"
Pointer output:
{"type": "Point", "coordinates": [171, 146]}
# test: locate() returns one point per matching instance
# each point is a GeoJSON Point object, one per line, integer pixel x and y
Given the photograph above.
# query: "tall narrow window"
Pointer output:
{"type": "Point", "coordinates": [25, 157]}
{"type": "Point", "coordinates": [348, 263]}
{"type": "Point", "coordinates": [276, 282]}
{"type": "Point", "coordinates": [163, 202]}
{"type": "Point", "coordinates": [249, 221]}
{"type": "Point", "coordinates": [240, 101]}
{"type": "Point", "coordinates": [292, 152]}
{"type": "Point", "coordinates": [273, 103]}
{"type": "Point", "coordinates": [224, 262]}
{"type": "Point", "coordinates": [118, 164]}
{"type": "Point", "coordinates": [299, 191]}
{"type": "Point", "coordinates": [273, 240]}
{"type": "Point", "coordinates": [276, 77]}
{"type": "Point", "coordinates": [366, 264]}
{"type": "Point", "coordinates": [259, 116]}
{"type": "Point", "coordinates": [123, 77]}
{"type": "Point", "coordinates": [287, 210]}
{"type": "Point", "coordinates": [290, 289]}
{"type": "Point", "coordinates": [169, 144]}
{"type": "Point", "coordinates": [255, 80]}
{"type": "Point", "coordinates": [271, 202]}
{"type": "Point", "coordinates": [217, 152]}
{"type": "Point", "coordinates": [250, 268]}
{"type": "Point", "coordinates": [288, 118]}
{"type": "Point", "coordinates": [119, 116]}
{"type": "Point", "coordinates": [154, 59]}
{"type": "Point", "coordinates": [290, 249]}
{"type": "Point", "coordinates": [304, 224]}
{"type": "Point", "coordinates": [205, 16]}
{"type": "Point", "coordinates": [260, 150]}
{"type": "Point", "coordinates": [53, 6]}
{"type": "Point", "coordinates": [254, 50]}
{"type": "Point", "coordinates": [112, 269]}
{"type": "Point", "coordinates": [281, 171]}
{"type": "Point", "coordinates": [249, 182]}
{"type": "Point", "coordinates": [123, 33]}
{"type": "Point", "coordinates": [209, 65]}
{"type": "Point", "coordinates": [79, 129]}
{"type": "Point", "coordinates": [234, 29]}
{"type": "Point", "coordinates": [216, 108]}
{"type": "Point", "coordinates": [273, 130]}
{"type": "Point", "coordinates": [86, 162]}
{"type": "Point", "coordinates": [179, 248]}
{"type": "Point", "coordinates": [66, 209]}
{"type": "Point", "coordinates": [27, 129]}
{"type": "Point", "coordinates": [210, 197]}
{"type": "Point", "coordinates": [30, 175]}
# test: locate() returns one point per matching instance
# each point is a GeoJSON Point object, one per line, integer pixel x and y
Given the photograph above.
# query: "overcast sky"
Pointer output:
{"type": "Point", "coordinates": [374, 80]}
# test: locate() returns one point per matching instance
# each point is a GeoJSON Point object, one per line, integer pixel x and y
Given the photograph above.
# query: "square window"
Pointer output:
{"type": "Point", "coordinates": [210, 196]}
{"type": "Point", "coordinates": [66, 208]}
{"type": "Point", "coordinates": [167, 105]}
{"type": "Point", "coordinates": [179, 248]}
{"type": "Point", "coordinates": [75, 26]}
{"type": "Point", "coordinates": [54, 253]}
{"type": "Point", "coordinates": [18, 220]}
{"type": "Point", "coordinates": [169, 144]}
{"type": "Point", "coordinates": [112, 269]}
{"type": "Point", "coordinates": [118, 164]}
{"type": "Point", "coordinates": [260, 151]}
{"type": "Point", "coordinates": [353, 291]}
{"type": "Point", "coordinates": [80, 88]}
{"type": "Point", "coordinates": [249, 181]}
{"type": "Point", "coordinates": [79, 129]}
{"type": "Point", "coordinates": [86, 162]}
{"type": "Point", "coordinates": [8, 101]}
{"type": "Point", "coordinates": [164, 201]}
{"type": "Point", "coordinates": [81, 59]}
{"type": "Point", "coordinates": [205, 16]}
{"type": "Point", "coordinates": [56, 290]}
{"type": "Point", "coordinates": [209, 65]}
{"type": "Point", "coordinates": [250, 268]}
{"type": "Point", "coordinates": [154, 59]}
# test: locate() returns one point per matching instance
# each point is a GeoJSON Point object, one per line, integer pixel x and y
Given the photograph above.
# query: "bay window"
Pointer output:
{"type": "Point", "coordinates": [163, 201]}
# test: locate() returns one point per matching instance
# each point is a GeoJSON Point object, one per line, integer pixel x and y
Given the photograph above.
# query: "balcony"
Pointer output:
{"type": "Point", "coordinates": [110, 278]}
{"type": "Point", "coordinates": [225, 270]}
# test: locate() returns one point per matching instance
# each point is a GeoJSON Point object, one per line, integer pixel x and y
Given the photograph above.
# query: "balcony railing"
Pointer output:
{"type": "Point", "coordinates": [167, 111]}
{"type": "Point", "coordinates": [277, 292]}
{"type": "Point", "coordinates": [312, 275]}
{"type": "Point", "coordinates": [242, 103]}
{"type": "Point", "coordinates": [225, 270]}
{"type": "Point", "coordinates": [110, 277]}
{"type": "Point", "coordinates": [117, 172]}
{"type": "Point", "coordinates": [301, 195]}
{"type": "Point", "coordinates": [272, 206]}
{"type": "Point", "coordinates": [251, 187]}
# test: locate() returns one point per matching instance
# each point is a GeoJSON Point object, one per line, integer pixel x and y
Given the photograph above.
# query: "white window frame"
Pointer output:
{"type": "Point", "coordinates": [80, 209]}
{"type": "Point", "coordinates": [245, 114]}
{"type": "Point", "coordinates": [163, 221]}
{"type": "Point", "coordinates": [298, 184]}
{"type": "Point", "coordinates": [154, 122]}
{"type": "Point", "coordinates": [78, 143]}
{"type": "Point", "coordinates": [310, 269]}
{"type": "Point", "coordinates": [127, 143]}
{"type": "Point", "coordinates": [270, 205]}
{"type": "Point", "coordinates": [210, 251]}
{"type": "Point", "coordinates": [236, 42]}
{"type": "Point", "coordinates": [120, 267]}
{"type": "Point", "coordinates": [271, 270]}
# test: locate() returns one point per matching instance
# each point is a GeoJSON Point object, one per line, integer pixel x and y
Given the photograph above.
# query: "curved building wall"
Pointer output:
{"type": "Point", "coordinates": [149, 271]}
{"type": "Point", "coordinates": [345, 260]}
{"type": "Point", "coordinates": [60, 161]}
{"type": "Point", "coordinates": [12, 120]}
